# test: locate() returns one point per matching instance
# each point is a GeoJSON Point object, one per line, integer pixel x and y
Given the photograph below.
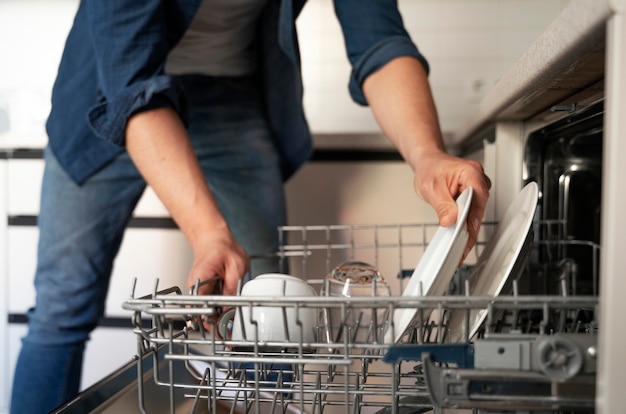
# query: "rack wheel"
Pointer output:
{"type": "Point", "coordinates": [558, 357]}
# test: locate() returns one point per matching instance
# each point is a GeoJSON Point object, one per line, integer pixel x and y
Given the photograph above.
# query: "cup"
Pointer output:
{"type": "Point", "coordinates": [354, 325]}
{"type": "Point", "coordinates": [261, 325]}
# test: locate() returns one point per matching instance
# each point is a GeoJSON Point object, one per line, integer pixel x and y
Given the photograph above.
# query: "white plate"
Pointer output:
{"type": "Point", "coordinates": [496, 262]}
{"type": "Point", "coordinates": [436, 267]}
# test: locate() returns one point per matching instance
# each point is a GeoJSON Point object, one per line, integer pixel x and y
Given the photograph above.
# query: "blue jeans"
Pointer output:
{"type": "Point", "coordinates": [81, 229]}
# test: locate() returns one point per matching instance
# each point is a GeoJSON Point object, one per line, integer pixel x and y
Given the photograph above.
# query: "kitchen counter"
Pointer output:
{"type": "Point", "coordinates": [578, 60]}
{"type": "Point", "coordinates": [567, 58]}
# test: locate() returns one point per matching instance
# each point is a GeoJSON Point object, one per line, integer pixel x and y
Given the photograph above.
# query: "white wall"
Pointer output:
{"type": "Point", "coordinates": [32, 35]}
{"type": "Point", "coordinates": [469, 44]}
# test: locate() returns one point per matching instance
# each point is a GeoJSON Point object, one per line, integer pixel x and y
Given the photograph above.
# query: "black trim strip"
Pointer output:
{"type": "Point", "coordinates": [21, 154]}
{"type": "Point", "coordinates": [319, 155]}
{"type": "Point", "coordinates": [22, 220]}
{"type": "Point", "coordinates": [106, 322]}
{"type": "Point", "coordinates": [152, 222]}
{"type": "Point", "coordinates": [17, 318]}
{"type": "Point", "coordinates": [135, 222]}
{"type": "Point", "coordinates": [351, 155]}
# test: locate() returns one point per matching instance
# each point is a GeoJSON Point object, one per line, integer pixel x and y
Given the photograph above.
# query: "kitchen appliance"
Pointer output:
{"type": "Point", "coordinates": [535, 352]}
{"type": "Point", "coordinates": [561, 296]}
{"type": "Point", "coordinates": [201, 373]}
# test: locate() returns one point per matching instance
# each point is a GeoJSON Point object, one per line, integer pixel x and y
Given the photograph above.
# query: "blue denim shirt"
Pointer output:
{"type": "Point", "coordinates": [113, 67]}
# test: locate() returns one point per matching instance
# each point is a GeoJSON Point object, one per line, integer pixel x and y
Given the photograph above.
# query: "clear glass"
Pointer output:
{"type": "Point", "coordinates": [341, 324]}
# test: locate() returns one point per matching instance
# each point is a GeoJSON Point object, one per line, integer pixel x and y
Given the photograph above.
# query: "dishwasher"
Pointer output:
{"type": "Point", "coordinates": [535, 349]}
{"type": "Point", "coordinates": [534, 352]}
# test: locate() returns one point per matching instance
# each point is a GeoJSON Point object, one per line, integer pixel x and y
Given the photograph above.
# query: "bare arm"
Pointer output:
{"type": "Point", "coordinates": [160, 148]}
{"type": "Point", "coordinates": [401, 100]}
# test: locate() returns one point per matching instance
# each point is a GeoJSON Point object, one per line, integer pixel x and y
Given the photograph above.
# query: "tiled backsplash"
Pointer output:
{"type": "Point", "coordinates": [469, 44]}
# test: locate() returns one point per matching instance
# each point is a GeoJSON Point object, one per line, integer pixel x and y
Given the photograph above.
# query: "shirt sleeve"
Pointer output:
{"type": "Point", "coordinates": [131, 40]}
{"type": "Point", "coordinates": [374, 34]}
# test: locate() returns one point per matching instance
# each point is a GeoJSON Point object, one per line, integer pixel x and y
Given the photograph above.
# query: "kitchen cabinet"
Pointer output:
{"type": "Point", "coordinates": [153, 249]}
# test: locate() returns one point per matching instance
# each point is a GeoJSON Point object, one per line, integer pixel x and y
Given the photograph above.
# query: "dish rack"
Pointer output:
{"type": "Point", "coordinates": [533, 353]}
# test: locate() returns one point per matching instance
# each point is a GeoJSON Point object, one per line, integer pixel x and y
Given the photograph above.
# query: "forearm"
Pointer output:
{"type": "Point", "coordinates": [157, 142]}
{"type": "Point", "coordinates": [402, 102]}
{"type": "Point", "coordinates": [400, 98]}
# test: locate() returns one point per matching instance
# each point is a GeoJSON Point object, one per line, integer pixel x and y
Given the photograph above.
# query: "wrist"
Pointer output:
{"type": "Point", "coordinates": [203, 234]}
{"type": "Point", "coordinates": [418, 152]}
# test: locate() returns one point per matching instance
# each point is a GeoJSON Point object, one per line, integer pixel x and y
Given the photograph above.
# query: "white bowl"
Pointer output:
{"type": "Point", "coordinates": [262, 324]}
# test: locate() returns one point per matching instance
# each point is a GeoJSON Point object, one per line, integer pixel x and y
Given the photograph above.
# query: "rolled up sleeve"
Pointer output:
{"type": "Point", "coordinates": [374, 34]}
{"type": "Point", "coordinates": [108, 119]}
{"type": "Point", "coordinates": [131, 40]}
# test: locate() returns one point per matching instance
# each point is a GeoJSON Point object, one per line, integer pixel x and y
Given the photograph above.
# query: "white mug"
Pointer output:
{"type": "Point", "coordinates": [262, 324]}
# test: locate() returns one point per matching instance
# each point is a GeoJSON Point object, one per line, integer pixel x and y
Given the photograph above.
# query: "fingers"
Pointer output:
{"type": "Point", "coordinates": [440, 178]}
{"type": "Point", "coordinates": [219, 257]}
{"type": "Point", "coordinates": [210, 282]}
{"type": "Point", "coordinates": [445, 207]}
{"type": "Point", "coordinates": [481, 185]}
{"type": "Point", "coordinates": [447, 210]}
{"type": "Point", "coordinates": [231, 281]}
{"type": "Point", "coordinates": [436, 192]}
{"type": "Point", "coordinates": [217, 269]}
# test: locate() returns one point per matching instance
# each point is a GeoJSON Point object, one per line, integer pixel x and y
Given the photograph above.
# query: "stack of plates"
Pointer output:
{"type": "Point", "coordinates": [497, 264]}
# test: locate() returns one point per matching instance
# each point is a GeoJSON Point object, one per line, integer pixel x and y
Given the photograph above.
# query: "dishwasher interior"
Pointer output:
{"type": "Point", "coordinates": [535, 350]}
{"type": "Point", "coordinates": [533, 353]}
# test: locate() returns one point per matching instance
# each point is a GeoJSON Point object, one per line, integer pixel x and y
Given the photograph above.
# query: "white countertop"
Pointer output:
{"type": "Point", "coordinates": [549, 68]}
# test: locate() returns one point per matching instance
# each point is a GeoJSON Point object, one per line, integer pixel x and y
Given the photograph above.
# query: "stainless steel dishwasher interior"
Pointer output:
{"type": "Point", "coordinates": [565, 159]}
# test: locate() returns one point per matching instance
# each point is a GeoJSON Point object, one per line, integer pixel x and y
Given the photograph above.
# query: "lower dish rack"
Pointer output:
{"type": "Point", "coordinates": [532, 353]}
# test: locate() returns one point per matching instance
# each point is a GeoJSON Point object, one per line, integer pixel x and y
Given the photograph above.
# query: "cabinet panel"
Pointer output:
{"type": "Point", "coordinates": [21, 264]}
{"type": "Point", "coordinates": [148, 255]}
{"type": "Point", "coordinates": [107, 350]}
{"type": "Point", "coordinates": [349, 192]}
{"type": "Point", "coordinates": [24, 183]}
{"type": "Point", "coordinates": [145, 254]}
{"type": "Point", "coordinates": [12, 343]}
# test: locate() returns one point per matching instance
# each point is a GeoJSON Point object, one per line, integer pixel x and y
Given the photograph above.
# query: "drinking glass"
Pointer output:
{"type": "Point", "coordinates": [343, 322]}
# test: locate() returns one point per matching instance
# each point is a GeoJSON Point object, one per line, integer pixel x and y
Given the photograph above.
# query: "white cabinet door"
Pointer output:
{"type": "Point", "coordinates": [147, 253]}
{"type": "Point", "coordinates": [24, 183]}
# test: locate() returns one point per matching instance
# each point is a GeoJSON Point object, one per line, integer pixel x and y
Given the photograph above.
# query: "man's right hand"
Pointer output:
{"type": "Point", "coordinates": [218, 254]}
{"type": "Point", "coordinates": [160, 148]}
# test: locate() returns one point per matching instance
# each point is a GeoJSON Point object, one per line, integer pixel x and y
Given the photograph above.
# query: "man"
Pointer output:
{"type": "Point", "coordinates": [202, 100]}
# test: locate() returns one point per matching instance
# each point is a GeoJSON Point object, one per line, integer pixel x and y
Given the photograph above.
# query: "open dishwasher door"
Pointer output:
{"type": "Point", "coordinates": [119, 392]}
